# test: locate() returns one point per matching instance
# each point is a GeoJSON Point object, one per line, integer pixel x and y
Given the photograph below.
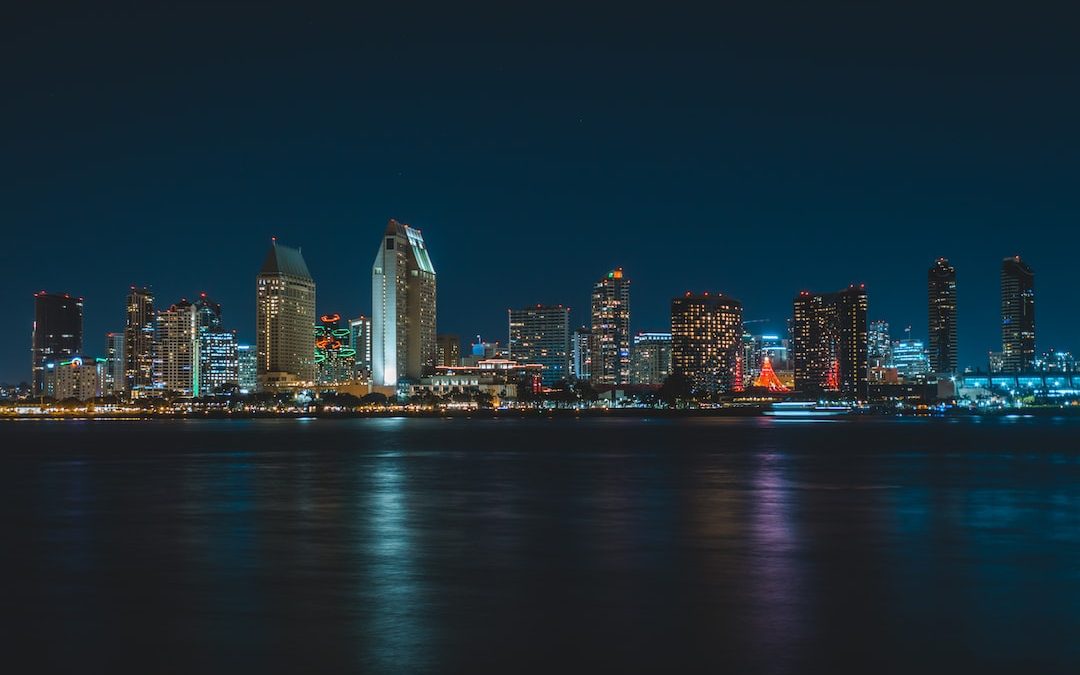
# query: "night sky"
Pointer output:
{"type": "Point", "coordinates": [755, 152]}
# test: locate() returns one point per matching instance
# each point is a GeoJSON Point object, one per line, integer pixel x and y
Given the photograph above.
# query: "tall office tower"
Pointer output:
{"type": "Point", "coordinates": [1017, 315]}
{"type": "Point", "coordinates": [139, 340]}
{"type": "Point", "coordinates": [284, 318]}
{"type": "Point", "coordinates": [403, 307]}
{"type": "Point", "coordinates": [176, 349]}
{"type": "Point", "coordinates": [447, 350]}
{"type": "Point", "coordinates": [650, 358]}
{"type": "Point", "coordinates": [581, 350]}
{"type": "Point", "coordinates": [208, 313]}
{"type": "Point", "coordinates": [751, 358]}
{"type": "Point", "coordinates": [114, 364]}
{"type": "Point", "coordinates": [879, 344]}
{"type": "Point", "coordinates": [360, 337]}
{"type": "Point", "coordinates": [831, 349]}
{"type": "Point", "coordinates": [57, 334]}
{"type": "Point", "coordinates": [246, 368]}
{"type": "Point", "coordinates": [611, 329]}
{"type": "Point", "coordinates": [219, 366]}
{"type": "Point", "coordinates": [941, 294]}
{"type": "Point", "coordinates": [706, 340]}
{"type": "Point", "coordinates": [910, 358]}
{"type": "Point", "coordinates": [541, 334]}
{"type": "Point", "coordinates": [775, 348]}
{"type": "Point", "coordinates": [335, 356]}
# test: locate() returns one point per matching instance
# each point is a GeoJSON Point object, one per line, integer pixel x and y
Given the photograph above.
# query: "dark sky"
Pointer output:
{"type": "Point", "coordinates": [756, 152]}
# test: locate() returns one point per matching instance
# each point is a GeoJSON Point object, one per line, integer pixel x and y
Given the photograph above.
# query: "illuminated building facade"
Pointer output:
{"type": "Point", "coordinates": [74, 377]}
{"type": "Point", "coordinates": [650, 358]}
{"type": "Point", "coordinates": [284, 316]}
{"type": "Point", "coordinates": [57, 333]}
{"type": "Point", "coordinates": [114, 364]}
{"type": "Point", "coordinates": [403, 307]}
{"type": "Point", "coordinates": [611, 330]}
{"type": "Point", "coordinates": [706, 342]}
{"type": "Point", "coordinates": [541, 334]}
{"type": "Point", "coordinates": [176, 349]}
{"type": "Point", "coordinates": [910, 359]}
{"type": "Point", "coordinates": [447, 350]}
{"type": "Point", "coordinates": [219, 368]}
{"type": "Point", "coordinates": [941, 294]}
{"type": "Point", "coordinates": [879, 344]}
{"type": "Point", "coordinates": [246, 368]}
{"type": "Point", "coordinates": [830, 342]}
{"type": "Point", "coordinates": [360, 339]}
{"type": "Point", "coordinates": [335, 357]}
{"type": "Point", "coordinates": [139, 340]}
{"type": "Point", "coordinates": [581, 350]}
{"type": "Point", "coordinates": [1017, 315]}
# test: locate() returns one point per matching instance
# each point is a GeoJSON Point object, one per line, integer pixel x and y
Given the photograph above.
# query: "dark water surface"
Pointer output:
{"type": "Point", "coordinates": [394, 545]}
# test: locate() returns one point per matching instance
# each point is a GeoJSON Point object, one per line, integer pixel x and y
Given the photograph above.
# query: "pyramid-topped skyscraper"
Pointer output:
{"type": "Point", "coordinates": [285, 317]}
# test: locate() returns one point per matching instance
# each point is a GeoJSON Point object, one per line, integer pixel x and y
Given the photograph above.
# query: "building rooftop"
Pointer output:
{"type": "Point", "coordinates": [284, 260]}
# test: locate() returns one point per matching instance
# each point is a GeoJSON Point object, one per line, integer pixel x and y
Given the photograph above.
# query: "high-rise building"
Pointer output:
{"type": "Point", "coordinates": [650, 358]}
{"type": "Point", "coordinates": [284, 317]}
{"type": "Point", "coordinates": [360, 337]}
{"type": "Point", "coordinates": [114, 364]}
{"type": "Point", "coordinates": [447, 350]}
{"type": "Point", "coordinates": [58, 333]}
{"type": "Point", "coordinates": [581, 350]}
{"type": "Point", "coordinates": [335, 356]}
{"type": "Point", "coordinates": [139, 340]}
{"type": "Point", "coordinates": [246, 368]}
{"type": "Point", "coordinates": [830, 342]}
{"type": "Point", "coordinates": [219, 368]}
{"type": "Point", "coordinates": [176, 349]}
{"type": "Point", "coordinates": [611, 329]}
{"type": "Point", "coordinates": [541, 334]}
{"type": "Point", "coordinates": [403, 307]}
{"type": "Point", "coordinates": [706, 341]}
{"type": "Point", "coordinates": [879, 344]}
{"type": "Point", "coordinates": [1017, 315]}
{"type": "Point", "coordinates": [910, 358]}
{"type": "Point", "coordinates": [941, 293]}
{"type": "Point", "coordinates": [775, 349]}
{"type": "Point", "coordinates": [74, 377]}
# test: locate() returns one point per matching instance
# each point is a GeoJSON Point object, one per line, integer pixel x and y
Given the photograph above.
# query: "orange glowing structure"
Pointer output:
{"type": "Point", "coordinates": [768, 379]}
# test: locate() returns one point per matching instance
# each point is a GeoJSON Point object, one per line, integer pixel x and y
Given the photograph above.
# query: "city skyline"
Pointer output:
{"type": "Point", "coordinates": [786, 166]}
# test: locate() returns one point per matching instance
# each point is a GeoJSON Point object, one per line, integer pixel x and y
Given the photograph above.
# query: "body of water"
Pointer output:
{"type": "Point", "coordinates": [630, 545]}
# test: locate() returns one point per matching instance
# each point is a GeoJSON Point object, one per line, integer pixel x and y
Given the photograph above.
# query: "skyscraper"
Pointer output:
{"type": "Point", "coordinates": [830, 342]}
{"type": "Point", "coordinates": [879, 344]}
{"type": "Point", "coordinates": [403, 307]}
{"type": "Point", "coordinates": [57, 334]}
{"type": "Point", "coordinates": [1017, 315]}
{"type": "Point", "coordinates": [176, 349]}
{"type": "Point", "coordinates": [650, 358]}
{"type": "Point", "coordinates": [139, 340]}
{"type": "Point", "coordinates": [246, 368]}
{"type": "Point", "coordinates": [706, 341]}
{"type": "Point", "coordinates": [114, 364]}
{"type": "Point", "coordinates": [611, 329]}
{"type": "Point", "coordinates": [581, 351]}
{"type": "Point", "coordinates": [284, 317]}
{"type": "Point", "coordinates": [447, 350]}
{"type": "Point", "coordinates": [218, 367]}
{"type": "Point", "coordinates": [360, 336]}
{"type": "Point", "coordinates": [541, 334]}
{"type": "Point", "coordinates": [941, 292]}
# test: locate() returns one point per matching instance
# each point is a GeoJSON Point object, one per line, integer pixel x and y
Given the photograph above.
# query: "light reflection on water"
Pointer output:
{"type": "Point", "coordinates": [405, 545]}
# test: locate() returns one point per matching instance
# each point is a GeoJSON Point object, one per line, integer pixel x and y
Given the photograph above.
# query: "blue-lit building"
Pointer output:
{"type": "Point", "coordinates": [246, 368]}
{"type": "Point", "coordinates": [910, 358]}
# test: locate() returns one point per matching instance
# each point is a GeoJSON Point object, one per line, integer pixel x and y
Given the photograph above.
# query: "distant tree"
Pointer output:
{"type": "Point", "coordinates": [374, 398]}
{"type": "Point", "coordinates": [675, 389]}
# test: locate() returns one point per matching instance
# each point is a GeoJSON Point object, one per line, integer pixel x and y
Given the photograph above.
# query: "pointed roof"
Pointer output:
{"type": "Point", "coordinates": [284, 260]}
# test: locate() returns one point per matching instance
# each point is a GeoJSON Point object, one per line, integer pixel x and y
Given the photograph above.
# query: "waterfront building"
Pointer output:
{"type": "Point", "coordinates": [219, 367]}
{"type": "Point", "coordinates": [176, 349]}
{"type": "Point", "coordinates": [910, 359]}
{"type": "Point", "coordinates": [830, 342]}
{"type": "Point", "coordinates": [581, 350]}
{"type": "Point", "coordinates": [650, 358]}
{"type": "Point", "coordinates": [246, 368]}
{"type": "Point", "coordinates": [611, 329]}
{"type": "Point", "coordinates": [335, 357]}
{"type": "Point", "coordinates": [403, 307]}
{"type": "Point", "coordinates": [879, 344]}
{"type": "Point", "coordinates": [941, 294]}
{"type": "Point", "coordinates": [996, 362]}
{"type": "Point", "coordinates": [706, 336]}
{"type": "Point", "coordinates": [74, 377]}
{"type": "Point", "coordinates": [284, 316]}
{"type": "Point", "coordinates": [57, 333]}
{"type": "Point", "coordinates": [447, 350]}
{"type": "Point", "coordinates": [1017, 315]}
{"type": "Point", "coordinates": [541, 334]}
{"type": "Point", "coordinates": [114, 364]}
{"type": "Point", "coordinates": [139, 329]}
{"type": "Point", "coordinates": [499, 378]}
{"type": "Point", "coordinates": [360, 338]}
